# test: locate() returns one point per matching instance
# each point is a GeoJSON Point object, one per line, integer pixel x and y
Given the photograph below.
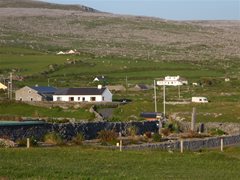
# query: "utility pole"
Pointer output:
{"type": "Point", "coordinates": [10, 87]}
{"type": "Point", "coordinates": [155, 96]}
{"type": "Point", "coordinates": [179, 92]}
{"type": "Point", "coordinates": [48, 82]}
{"type": "Point", "coordinates": [164, 101]}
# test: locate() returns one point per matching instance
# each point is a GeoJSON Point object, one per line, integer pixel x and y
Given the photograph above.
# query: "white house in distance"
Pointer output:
{"type": "Point", "coordinates": [2, 86]}
{"type": "Point", "coordinates": [199, 100]}
{"type": "Point", "coordinates": [172, 81]}
{"type": "Point", "coordinates": [96, 94]}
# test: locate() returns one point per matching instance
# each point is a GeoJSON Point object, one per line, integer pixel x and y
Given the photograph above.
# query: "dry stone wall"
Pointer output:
{"type": "Point", "coordinates": [69, 130]}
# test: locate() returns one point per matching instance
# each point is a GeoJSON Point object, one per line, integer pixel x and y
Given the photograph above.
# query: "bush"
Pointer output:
{"type": "Point", "coordinates": [132, 131]}
{"type": "Point", "coordinates": [217, 132]}
{"type": "Point", "coordinates": [165, 131]}
{"type": "Point", "coordinates": [172, 126]}
{"type": "Point", "coordinates": [53, 138]}
{"type": "Point", "coordinates": [23, 142]}
{"type": "Point", "coordinates": [148, 134]}
{"type": "Point", "coordinates": [78, 139]}
{"type": "Point", "coordinates": [2, 144]}
{"type": "Point", "coordinates": [107, 136]}
{"type": "Point", "coordinates": [157, 137]}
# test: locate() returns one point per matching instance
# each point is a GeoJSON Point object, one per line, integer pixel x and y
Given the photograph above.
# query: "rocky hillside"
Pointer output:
{"type": "Point", "coordinates": [53, 27]}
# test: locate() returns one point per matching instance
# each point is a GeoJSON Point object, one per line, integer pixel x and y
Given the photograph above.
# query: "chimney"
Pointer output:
{"type": "Point", "coordinates": [99, 86]}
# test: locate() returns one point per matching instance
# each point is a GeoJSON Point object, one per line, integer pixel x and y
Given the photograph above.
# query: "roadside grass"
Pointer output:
{"type": "Point", "coordinates": [89, 163]}
{"type": "Point", "coordinates": [26, 110]}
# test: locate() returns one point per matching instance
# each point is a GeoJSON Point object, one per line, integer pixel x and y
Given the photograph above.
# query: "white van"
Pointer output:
{"type": "Point", "coordinates": [199, 99]}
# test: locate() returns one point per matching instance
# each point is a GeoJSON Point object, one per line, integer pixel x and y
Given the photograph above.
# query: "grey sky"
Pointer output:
{"type": "Point", "coordinates": [167, 9]}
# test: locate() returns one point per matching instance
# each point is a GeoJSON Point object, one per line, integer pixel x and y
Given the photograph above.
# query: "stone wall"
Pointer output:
{"type": "Point", "coordinates": [189, 144]}
{"type": "Point", "coordinates": [69, 130]}
{"type": "Point", "coordinates": [230, 128]}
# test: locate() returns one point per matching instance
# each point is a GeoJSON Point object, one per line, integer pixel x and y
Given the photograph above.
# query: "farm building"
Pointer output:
{"type": "Point", "coordinates": [172, 81]}
{"type": "Point", "coordinates": [2, 86]}
{"type": "Point", "coordinates": [35, 93]}
{"type": "Point", "coordinates": [141, 87]}
{"type": "Point", "coordinates": [100, 79]}
{"type": "Point", "coordinates": [96, 94]}
{"type": "Point", "coordinates": [199, 99]}
{"type": "Point", "coordinates": [116, 88]}
{"type": "Point", "coordinates": [151, 116]}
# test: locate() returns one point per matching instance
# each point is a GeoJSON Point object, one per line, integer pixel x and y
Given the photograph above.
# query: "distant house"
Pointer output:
{"type": "Point", "coordinates": [151, 116]}
{"type": "Point", "coordinates": [2, 86]}
{"type": "Point", "coordinates": [172, 81]}
{"type": "Point", "coordinates": [116, 88]}
{"type": "Point", "coordinates": [140, 87]}
{"type": "Point", "coordinates": [35, 93]}
{"type": "Point", "coordinates": [96, 94]}
{"type": "Point", "coordinates": [199, 100]}
{"type": "Point", "coordinates": [99, 79]}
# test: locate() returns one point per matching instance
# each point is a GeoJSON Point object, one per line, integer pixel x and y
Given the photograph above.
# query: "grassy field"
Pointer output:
{"type": "Point", "coordinates": [86, 163]}
{"type": "Point", "coordinates": [39, 67]}
{"type": "Point", "coordinates": [25, 110]}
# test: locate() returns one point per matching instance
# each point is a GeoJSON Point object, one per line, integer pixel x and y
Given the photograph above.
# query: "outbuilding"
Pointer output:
{"type": "Point", "coordinates": [199, 99]}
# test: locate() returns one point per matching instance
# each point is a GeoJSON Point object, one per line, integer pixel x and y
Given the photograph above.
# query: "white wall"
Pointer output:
{"type": "Point", "coordinates": [169, 83]}
{"type": "Point", "coordinates": [105, 97]}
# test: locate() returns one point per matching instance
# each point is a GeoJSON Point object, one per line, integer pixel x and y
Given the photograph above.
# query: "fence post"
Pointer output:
{"type": "Point", "coordinates": [28, 143]}
{"type": "Point", "coordinates": [222, 144]}
{"type": "Point", "coordinates": [120, 144]}
{"type": "Point", "coordinates": [193, 119]}
{"type": "Point", "coordinates": [181, 146]}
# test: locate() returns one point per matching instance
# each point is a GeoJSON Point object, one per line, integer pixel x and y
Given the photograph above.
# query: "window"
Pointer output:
{"type": "Point", "coordinates": [59, 98]}
{"type": "Point", "coordinates": [79, 98]}
{"type": "Point", "coordinates": [83, 99]}
{"type": "Point", "coordinates": [71, 98]}
{"type": "Point", "coordinates": [31, 99]}
{"type": "Point", "coordinates": [20, 99]}
{"type": "Point", "coordinates": [92, 98]}
{"type": "Point", "coordinates": [103, 98]}
{"type": "Point", "coordinates": [29, 91]}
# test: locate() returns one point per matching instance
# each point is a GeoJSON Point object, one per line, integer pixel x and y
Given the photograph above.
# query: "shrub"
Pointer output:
{"type": "Point", "coordinates": [53, 138]}
{"type": "Point", "coordinates": [106, 136]}
{"type": "Point", "coordinates": [157, 137]}
{"type": "Point", "coordinates": [132, 131]}
{"type": "Point", "coordinates": [78, 139]}
{"type": "Point", "coordinates": [216, 132]}
{"type": "Point", "coordinates": [165, 131]}
{"type": "Point", "coordinates": [2, 144]}
{"type": "Point", "coordinates": [148, 134]}
{"type": "Point", "coordinates": [23, 142]}
{"type": "Point", "coordinates": [172, 126]}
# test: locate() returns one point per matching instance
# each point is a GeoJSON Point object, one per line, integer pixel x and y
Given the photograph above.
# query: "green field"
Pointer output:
{"type": "Point", "coordinates": [41, 67]}
{"type": "Point", "coordinates": [12, 109]}
{"type": "Point", "coordinates": [86, 163]}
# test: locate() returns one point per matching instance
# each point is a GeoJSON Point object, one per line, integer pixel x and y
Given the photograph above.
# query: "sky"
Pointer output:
{"type": "Point", "coordinates": [166, 9]}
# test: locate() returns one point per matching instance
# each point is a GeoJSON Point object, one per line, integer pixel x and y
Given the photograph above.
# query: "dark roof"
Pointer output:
{"type": "Point", "coordinates": [80, 91]}
{"type": "Point", "coordinates": [150, 114]}
{"type": "Point", "coordinates": [44, 89]}
{"type": "Point", "coordinates": [142, 86]}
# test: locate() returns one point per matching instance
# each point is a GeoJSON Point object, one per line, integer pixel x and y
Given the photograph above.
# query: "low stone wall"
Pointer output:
{"type": "Point", "coordinates": [69, 130]}
{"type": "Point", "coordinates": [230, 128]}
{"type": "Point", "coordinates": [189, 144]}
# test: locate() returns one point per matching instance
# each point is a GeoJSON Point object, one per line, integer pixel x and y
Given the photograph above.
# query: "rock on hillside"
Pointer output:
{"type": "Point", "coordinates": [51, 27]}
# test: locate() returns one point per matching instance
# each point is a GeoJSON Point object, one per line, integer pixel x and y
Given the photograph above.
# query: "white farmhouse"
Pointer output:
{"type": "Point", "coordinates": [199, 99]}
{"type": "Point", "coordinates": [172, 81]}
{"type": "Point", "coordinates": [99, 94]}
{"type": "Point", "coordinates": [2, 86]}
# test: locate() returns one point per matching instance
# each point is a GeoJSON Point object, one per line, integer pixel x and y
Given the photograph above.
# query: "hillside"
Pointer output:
{"type": "Point", "coordinates": [52, 27]}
